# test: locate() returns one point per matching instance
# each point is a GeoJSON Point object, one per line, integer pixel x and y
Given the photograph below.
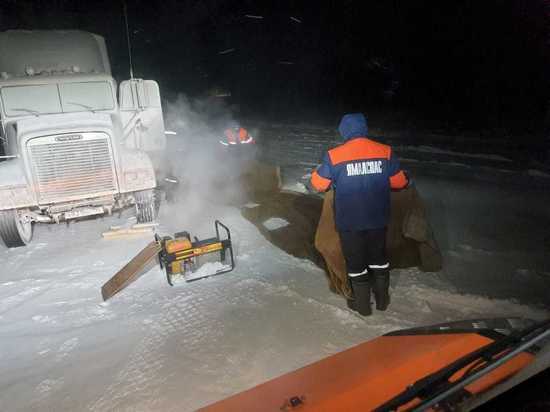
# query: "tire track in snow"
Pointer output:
{"type": "Point", "coordinates": [140, 382]}
{"type": "Point", "coordinates": [199, 331]}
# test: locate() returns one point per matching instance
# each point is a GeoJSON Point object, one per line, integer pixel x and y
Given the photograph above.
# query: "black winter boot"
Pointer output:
{"type": "Point", "coordinates": [361, 292]}
{"type": "Point", "coordinates": [381, 284]}
{"type": "Point", "coordinates": [351, 300]}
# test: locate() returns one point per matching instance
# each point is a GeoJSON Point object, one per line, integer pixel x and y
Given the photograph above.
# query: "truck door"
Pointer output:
{"type": "Point", "coordinates": [141, 115]}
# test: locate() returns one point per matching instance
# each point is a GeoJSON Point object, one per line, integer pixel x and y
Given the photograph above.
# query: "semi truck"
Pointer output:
{"type": "Point", "coordinates": [70, 147]}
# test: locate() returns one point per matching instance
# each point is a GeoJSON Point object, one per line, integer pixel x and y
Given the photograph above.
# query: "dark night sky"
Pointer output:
{"type": "Point", "coordinates": [477, 63]}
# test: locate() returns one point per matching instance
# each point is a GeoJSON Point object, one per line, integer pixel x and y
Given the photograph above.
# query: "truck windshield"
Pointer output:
{"type": "Point", "coordinates": [33, 99]}
{"type": "Point", "coordinates": [57, 98]}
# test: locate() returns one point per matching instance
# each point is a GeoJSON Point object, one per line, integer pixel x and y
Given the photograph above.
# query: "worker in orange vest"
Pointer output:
{"type": "Point", "coordinates": [236, 135]}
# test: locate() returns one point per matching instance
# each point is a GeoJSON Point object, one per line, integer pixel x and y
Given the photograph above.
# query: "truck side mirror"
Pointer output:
{"type": "Point", "coordinates": [127, 96]}
{"type": "Point", "coordinates": [141, 114]}
{"type": "Point", "coordinates": [151, 93]}
{"type": "Point", "coordinates": [138, 94]}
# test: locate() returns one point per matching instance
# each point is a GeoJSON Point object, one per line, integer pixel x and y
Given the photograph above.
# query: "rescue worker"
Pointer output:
{"type": "Point", "coordinates": [362, 173]}
{"type": "Point", "coordinates": [235, 134]}
{"type": "Point", "coordinates": [238, 153]}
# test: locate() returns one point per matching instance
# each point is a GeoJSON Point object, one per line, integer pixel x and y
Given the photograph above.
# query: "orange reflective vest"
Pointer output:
{"type": "Point", "coordinates": [240, 137]}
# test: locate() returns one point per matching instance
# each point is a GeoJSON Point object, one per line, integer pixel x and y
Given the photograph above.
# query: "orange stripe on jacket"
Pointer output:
{"type": "Point", "coordinates": [243, 134]}
{"type": "Point", "coordinates": [398, 180]}
{"type": "Point", "coordinates": [359, 149]}
{"type": "Point", "coordinates": [241, 137]}
{"type": "Point", "coordinates": [319, 182]}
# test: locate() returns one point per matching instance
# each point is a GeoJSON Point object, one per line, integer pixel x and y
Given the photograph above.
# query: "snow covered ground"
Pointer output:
{"type": "Point", "coordinates": [153, 347]}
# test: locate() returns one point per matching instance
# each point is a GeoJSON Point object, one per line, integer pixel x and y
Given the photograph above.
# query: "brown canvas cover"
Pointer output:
{"type": "Point", "coordinates": [311, 232]}
{"type": "Point", "coordinates": [410, 240]}
{"type": "Point", "coordinates": [300, 211]}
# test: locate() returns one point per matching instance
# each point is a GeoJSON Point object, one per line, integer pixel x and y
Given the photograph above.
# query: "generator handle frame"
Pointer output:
{"type": "Point", "coordinates": [217, 225]}
{"type": "Point", "coordinates": [227, 242]}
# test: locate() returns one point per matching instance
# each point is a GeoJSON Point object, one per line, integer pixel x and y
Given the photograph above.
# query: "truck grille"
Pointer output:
{"type": "Point", "coordinates": [72, 169]}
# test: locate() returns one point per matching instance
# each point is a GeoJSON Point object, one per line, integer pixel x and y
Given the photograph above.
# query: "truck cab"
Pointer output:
{"type": "Point", "coordinates": [70, 149]}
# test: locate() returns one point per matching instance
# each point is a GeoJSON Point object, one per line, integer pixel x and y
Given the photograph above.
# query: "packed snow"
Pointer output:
{"type": "Point", "coordinates": [435, 150]}
{"type": "Point", "coordinates": [156, 347]}
{"type": "Point", "coordinates": [275, 223]}
{"type": "Point", "coordinates": [206, 269]}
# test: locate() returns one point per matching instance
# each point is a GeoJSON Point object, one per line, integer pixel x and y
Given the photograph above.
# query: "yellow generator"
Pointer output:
{"type": "Point", "coordinates": [178, 255]}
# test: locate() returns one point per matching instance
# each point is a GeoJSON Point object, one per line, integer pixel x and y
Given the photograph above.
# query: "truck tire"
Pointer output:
{"type": "Point", "coordinates": [147, 206]}
{"type": "Point", "coordinates": [13, 230]}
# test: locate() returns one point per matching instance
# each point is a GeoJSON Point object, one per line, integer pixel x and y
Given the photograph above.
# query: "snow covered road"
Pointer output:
{"type": "Point", "coordinates": [153, 347]}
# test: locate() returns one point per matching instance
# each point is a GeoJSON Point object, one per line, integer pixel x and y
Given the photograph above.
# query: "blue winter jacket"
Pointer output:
{"type": "Point", "coordinates": [362, 173]}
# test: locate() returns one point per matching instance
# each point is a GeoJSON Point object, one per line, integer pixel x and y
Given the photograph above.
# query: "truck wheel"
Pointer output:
{"type": "Point", "coordinates": [146, 206]}
{"type": "Point", "coordinates": [14, 230]}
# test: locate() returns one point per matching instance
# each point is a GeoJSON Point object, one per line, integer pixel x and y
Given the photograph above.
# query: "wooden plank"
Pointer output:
{"type": "Point", "coordinates": [136, 267]}
{"type": "Point", "coordinates": [126, 232]}
{"type": "Point", "coordinates": [145, 225]}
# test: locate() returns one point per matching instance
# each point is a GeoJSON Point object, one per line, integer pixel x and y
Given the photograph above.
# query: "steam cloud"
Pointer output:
{"type": "Point", "coordinates": [207, 173]}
